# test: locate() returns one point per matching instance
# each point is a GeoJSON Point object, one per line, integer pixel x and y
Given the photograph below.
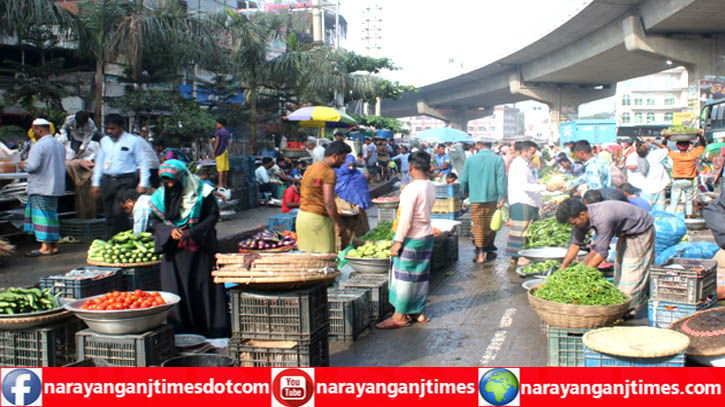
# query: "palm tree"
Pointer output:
{"type": "Point", "coordinates": [18, 16]}
{"type": "Point", "coordinates": [97, 28]}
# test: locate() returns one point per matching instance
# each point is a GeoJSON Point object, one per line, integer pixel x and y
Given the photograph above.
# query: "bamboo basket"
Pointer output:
{"type": "Point", "coordinates": [577, 316]}
{"type": "Point", "coordinates": [636, 341]}
{"type": "Point", "coordinates": [708, 343]}
{"type": "Point", "coordinates": [277, 258]}
{"type": "Point", "coordinates": [276, 250]}
{"type": "Point", "coordinates": [122, 265]}
{"type": "Point", "coordinates": [31, 321]}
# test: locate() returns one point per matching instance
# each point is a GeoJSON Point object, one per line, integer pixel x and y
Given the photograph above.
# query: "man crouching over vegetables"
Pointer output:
{"type": "Point", "coordinates": [635, 247]}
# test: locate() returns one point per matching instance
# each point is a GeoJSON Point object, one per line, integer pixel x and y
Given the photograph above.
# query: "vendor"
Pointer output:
{"type": "Point", "coordinates": [635, 246]}
{"type": "Point", "coordinates": [266, 186]}
{"type": "Point", "coordinates": [353, 195]}
{"type": "Point", "coordinates": [278, 172]}
{"type": "Point", "coordinates": [684, 172]}
{"type": "Point", "coordinates": [318, 220]}
{"type": "Point", "coordinates": [291, 197]}
{"type": "Point", "coordinates": [186, 236]}
{"type": "Point", "coordinates": [137, 205]}
{"type": "Point", "coordinates": [524, 196]}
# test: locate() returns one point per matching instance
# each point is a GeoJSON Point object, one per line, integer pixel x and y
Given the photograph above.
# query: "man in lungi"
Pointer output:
{"type": "Point", "coordinates": [484, 181]}
{"type": "Point", "coordinates": [46, 182]}
{"type": "Point", "coordinates": [635, 247]}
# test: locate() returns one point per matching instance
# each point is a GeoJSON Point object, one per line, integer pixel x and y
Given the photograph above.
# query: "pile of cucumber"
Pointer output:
{"type": "Point", "coordinates": [124, 248]}
{"type": "Point", "coordinates": [25, 300]}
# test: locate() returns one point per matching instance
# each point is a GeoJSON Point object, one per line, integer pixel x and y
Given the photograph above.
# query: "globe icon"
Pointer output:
{"type": "Point", "coordinates": [498, 387]}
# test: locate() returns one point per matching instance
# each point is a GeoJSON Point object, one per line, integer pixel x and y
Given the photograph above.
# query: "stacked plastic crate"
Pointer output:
{"type": "Point", "coordinates": [680, 287]}
{"type": "Point", "coordinates": [144, 349]}
{"type": "Point", "coordinates": [41, 346]}
{"type": "Point", "coordinates": [377, 287]}
{"type": "Point", "coordinates": [280, 329]}
{"type": "Point", "coordinates": [349, 312]}
{"type": "Point", "coordinates": [448, 202]}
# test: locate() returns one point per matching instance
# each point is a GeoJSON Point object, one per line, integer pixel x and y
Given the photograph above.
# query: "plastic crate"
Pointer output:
{"type": "Point", "coordinates": [142, 278]}
{"type": "Point", "coordinates": [378, 289]}
{"type": "Point", "coordinates": [252, 195]}
{"type": "Point", "coordinates": [136, 350]}
{"type": "Point", "coordinates": [83, 229]}
{"type": "Point", "coordinates": [593, 358]}
{"type": "Point", "coordinates": [289, 315]}
{"type": "Point", "coordinates": [448, 191]}
{"type": "Point", "coordinates": [465, 227]}
{"type": "Point", "coordinates": [696, 282]}
{"type": "Point", "coordinates": [387, 214]}
{"type": "Point", "coordinates": [662, 314]}
{"type": "Point", "coordinates": [448, 216]}
{"type": "Point", "coordinates": [349, 313]}
{"type": "Point", "coordinates": [259, 353]}
{"type": "Point", "coordinates": [44, 346]}
{"type": "Point", "coordinates": [282, 222]}
{"type": "Point", "coordinates": [66, 287]}
{"type": "Point", "coordinates": [451, 248]}
{"type": "Point", "coordinates": [446, 205]}
{"type": "Point", "coordinates": [565, 347]}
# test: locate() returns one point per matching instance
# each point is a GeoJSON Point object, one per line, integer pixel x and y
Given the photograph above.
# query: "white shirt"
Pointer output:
{"type": "Point", "coordinates": [656, 179]}
{"type": "Point", "coordinates": [318, 154]}
{"type": "Point", "coordinates": [262, 175]}
{"type": "Point", "coordinates": [522, 186]}
{"type": "Point", "coordinates": [151, 157]}
{"type": "Point", "coordinates": [88, 154]}
{"type": "Point", "coordinates": [123, 156]}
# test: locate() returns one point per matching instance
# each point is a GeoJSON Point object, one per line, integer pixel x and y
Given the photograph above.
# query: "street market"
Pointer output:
{"type": "Point", "coordinates": [238, 185]}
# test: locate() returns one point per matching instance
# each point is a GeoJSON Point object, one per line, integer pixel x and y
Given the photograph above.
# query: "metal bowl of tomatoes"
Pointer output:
{"type": "Point", "coordinates": [120, 313]}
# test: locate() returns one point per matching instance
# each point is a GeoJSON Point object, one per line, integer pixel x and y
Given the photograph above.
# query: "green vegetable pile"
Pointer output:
{"type": "Point", "coordinates": [384, 231]}
{"type": "Point", "coordinates": [580, 285]}
{"type": "Point", "coordinates": [548, 232]}
{"type": "Point", "coordinates": [23, 300]}
{"type": "Point", "coordinates": [124, 248]}
{"type": "Point", "coordinates": [372, 250]}
{"type": "Point", "coordinates": [541, 267]}
{"type": "Point", "coordinates": [681, 129]}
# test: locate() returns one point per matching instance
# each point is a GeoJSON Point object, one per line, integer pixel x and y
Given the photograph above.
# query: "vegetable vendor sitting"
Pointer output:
{"type": "Point", "coordinates": [635, 247]}
{"type": "Point", "coordinates": [137, 205]}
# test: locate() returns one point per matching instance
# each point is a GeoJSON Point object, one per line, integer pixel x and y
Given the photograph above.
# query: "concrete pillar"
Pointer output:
{"type": "Point", "coordinates": [699, 55]}
{"type": "Point", "coordinates": [457, 119]}
{"type": "Point", "coordinates": [317, 16]}
{"type": "Point", "coordinates": [557, 96]}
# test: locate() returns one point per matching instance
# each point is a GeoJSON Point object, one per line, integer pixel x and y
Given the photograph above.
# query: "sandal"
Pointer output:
{"type": "Point", "coordinates": [38, 253]}
{"type": "Point", "coordinates": [391, 324]}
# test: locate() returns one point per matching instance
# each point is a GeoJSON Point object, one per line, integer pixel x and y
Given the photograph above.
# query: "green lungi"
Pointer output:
{"type": "Point", "coordinates": [410, 275]}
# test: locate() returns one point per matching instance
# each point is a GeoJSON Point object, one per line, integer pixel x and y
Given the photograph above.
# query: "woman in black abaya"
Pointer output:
{"type": "Point", "coordinates": [187, 238]}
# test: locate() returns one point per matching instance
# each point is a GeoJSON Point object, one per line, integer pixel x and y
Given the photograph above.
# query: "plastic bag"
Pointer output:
{"type": "Point", "coordinates": [341, 262]}
{"type": "Point", "coordinates": [505, 213]}
{"type": "Point", "coordinates": [688, 250]}
{"type": "Point", "coordinates": [496, 220]}
{"type": "Point", "coordinates": [669, 229]}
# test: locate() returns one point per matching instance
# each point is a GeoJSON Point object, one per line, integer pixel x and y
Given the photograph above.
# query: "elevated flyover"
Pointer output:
{"type": "Point", "coordinates": [599, 44]}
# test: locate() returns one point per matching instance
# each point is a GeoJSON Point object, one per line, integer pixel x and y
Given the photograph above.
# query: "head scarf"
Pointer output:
{"type": "Point", "coordinates": [351, 184]}
{"type": "Point", "coordinates": [179, 205]}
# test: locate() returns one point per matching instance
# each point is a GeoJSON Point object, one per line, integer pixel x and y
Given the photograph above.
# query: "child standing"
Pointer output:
{"type": "Point", "coordinates": [412, 247]}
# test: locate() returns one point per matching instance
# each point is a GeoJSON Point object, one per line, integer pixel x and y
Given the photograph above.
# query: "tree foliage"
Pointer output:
{"type": "Point", "coordinates": [381, 123]}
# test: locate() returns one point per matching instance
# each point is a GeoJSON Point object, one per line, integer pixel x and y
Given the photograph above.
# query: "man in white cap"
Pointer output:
{"type": "Point", "coordinates": [46, 182]}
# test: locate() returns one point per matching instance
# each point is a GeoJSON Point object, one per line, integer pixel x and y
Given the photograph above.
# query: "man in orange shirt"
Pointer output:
{"type": "Point", "coordinates": [684, 172]}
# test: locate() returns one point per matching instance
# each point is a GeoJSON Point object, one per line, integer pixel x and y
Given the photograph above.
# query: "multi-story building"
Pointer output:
{"type": "Point", "coordinates": [501, 124]}
{"type": "Point", "coordinates": [652, 100]}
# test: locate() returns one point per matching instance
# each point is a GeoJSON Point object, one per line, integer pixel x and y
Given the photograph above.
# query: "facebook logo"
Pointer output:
{"type": "Point", "coordinates": [22, 387]}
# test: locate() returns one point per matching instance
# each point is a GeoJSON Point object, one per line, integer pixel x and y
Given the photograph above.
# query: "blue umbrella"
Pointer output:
{"type": "Point", "coordinates": [444, 135]}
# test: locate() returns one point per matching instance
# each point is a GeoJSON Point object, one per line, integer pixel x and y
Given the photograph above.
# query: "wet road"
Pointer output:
{"type": "Point", "coordinates": [480, 316]}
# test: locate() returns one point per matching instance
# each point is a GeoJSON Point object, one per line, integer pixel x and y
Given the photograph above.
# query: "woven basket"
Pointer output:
{"type": "Point", "coordinates": [276, 250]}
{"type": "Point", "coordinates": [712, 344]}
{"type": "Point", "coordinates": [636, 341]}
{"type": "Point", "coordinates": [122, 265]}
{"type": "Point", "coordinates": [577, 316]}
{"type": "Point", "coordinates": [276, 280]}
{"type": "Point", "coordinates": [28, 322]}
{"type": "Point", "coordinates": [278, 258]}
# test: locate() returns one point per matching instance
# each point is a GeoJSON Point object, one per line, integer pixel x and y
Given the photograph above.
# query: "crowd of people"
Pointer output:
{"type": "Point", "coordinates": [144, 186]}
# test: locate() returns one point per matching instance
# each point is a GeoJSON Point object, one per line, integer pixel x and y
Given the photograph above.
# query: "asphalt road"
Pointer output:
{"type": "Point", "coordinates": [480, 316]}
